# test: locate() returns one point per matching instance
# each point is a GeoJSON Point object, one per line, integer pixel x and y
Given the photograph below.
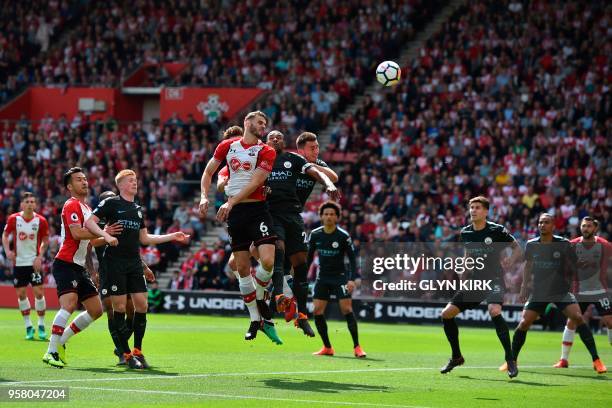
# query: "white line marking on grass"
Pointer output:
{"type": "Point", "coordinates": [250, 397]}
{"type": "Point", "coordinates": [263, 373]}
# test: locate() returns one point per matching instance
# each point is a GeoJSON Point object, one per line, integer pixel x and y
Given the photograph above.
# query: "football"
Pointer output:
{"type": "Point", "coordinates": [388, 73]}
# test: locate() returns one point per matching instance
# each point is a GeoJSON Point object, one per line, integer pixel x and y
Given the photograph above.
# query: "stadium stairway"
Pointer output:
{"type": "Point", "coordinates": [211, 237]}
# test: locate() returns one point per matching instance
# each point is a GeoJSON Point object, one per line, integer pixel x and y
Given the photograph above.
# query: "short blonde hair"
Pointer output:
{"type": "Point", "coordinates": [124, 173]}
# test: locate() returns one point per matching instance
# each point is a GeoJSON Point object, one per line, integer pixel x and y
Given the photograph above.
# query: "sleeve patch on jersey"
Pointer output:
{"type": "Point", "coordinates": [74, 217]}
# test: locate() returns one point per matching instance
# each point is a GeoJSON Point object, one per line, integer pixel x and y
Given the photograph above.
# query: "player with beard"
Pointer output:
{"type": "Point", "coordinates": [249, 162]}
{"type": "Point", "coordinates": [591, 283]}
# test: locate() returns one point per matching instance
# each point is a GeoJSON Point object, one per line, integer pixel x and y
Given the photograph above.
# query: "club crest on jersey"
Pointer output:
{"type": "Point", "coordinates": [287, 164]}
{"type": "Point", "coordinates": [556, 254]}
{"type": "Point", "coordinates": [139, 214]}
{"type": "Point", "coordinates": [335, 244]}
{"type": "Point", "coordinates": [488, 240]}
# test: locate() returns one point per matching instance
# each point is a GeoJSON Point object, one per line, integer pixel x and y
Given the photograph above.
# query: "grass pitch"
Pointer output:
{"type": "Point", "coordinates": [205, 361]}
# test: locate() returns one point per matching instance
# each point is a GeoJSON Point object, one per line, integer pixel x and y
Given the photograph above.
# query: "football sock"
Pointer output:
{"type": "Point", "coordinates": [78, 324]}
{"type": "Point", "coordinates": [113, 333]}
{"type": "Point", "coordinates": [247, 289]}
{"type": "Point", "coordinates": [140, 325]}
{"type": "Point", "coordinates": [452, 334]}
{"type": "Point", "coordinates": [262, 280]}
{"type": "Point", "coordinates": [277, 277]}
{"type": "Point", "coordinates": [322, 329]}
{"type": "Point", "coordinates": [504, 335]}
{"type": "Point", "coordinates": [567, 342]}
{"type": "Point", "coordinates": [57, 330]}
{"type": "Point", "coordinates": [587, 338]}
{"type": "Point", "coordinates": [24, 307]}
{"type": "Point", "coordinates": [352, 326]}
{"type": "Point", "coordinates": [40, 305]}
{"type": "Point", "coordinates": [300, 286]}
{"type": "Point", "coordinates": [517, 342]}
{"type": "Point", "coordinates": [129, 323]}
{"type": "Point", "coordinates": [122, 331]}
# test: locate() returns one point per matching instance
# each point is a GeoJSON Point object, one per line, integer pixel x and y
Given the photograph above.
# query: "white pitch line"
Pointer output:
{"type": "Point", "coordinates": [250, 397]}
{"type": "Point", "coordinates": [205, 375]}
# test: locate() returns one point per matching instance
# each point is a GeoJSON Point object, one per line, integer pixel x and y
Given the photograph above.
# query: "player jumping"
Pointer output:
{"type": "Point", "coordinates": [249, 163]}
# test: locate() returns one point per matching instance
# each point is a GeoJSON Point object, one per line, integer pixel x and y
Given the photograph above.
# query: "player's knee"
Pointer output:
{"type": "Point", "coordinates": [346, 310]}
{"type": "Point", "coordinates": [267, 262]}
{"type": "Point", "coordinates": [119, 307]}
{"type": "Point", "coordinates": [608, 321]}
{"type": "Point", "coordinates": [448, 313]}
{"type": "Point", "coordinates": [576, 319]}
{"type": "Point", "coordinates": [524, 325]}
{"type": "Point", "coordinates": [495, 311]}
{"type": "Point", "coordinates": [95, 311]}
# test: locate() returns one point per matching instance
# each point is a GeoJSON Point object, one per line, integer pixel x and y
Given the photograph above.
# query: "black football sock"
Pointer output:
{"type": "Point", "coordinates": [113, 333]}
{"type": "Point", "coordinates": [140, 325]}
{"type": "Point", "coordinates": [352, 326]}
{"type": "Point", "coordinates": [587, 338]}
{"type": "Point", "coordinates": [278, 272]}
{"type": "Point", "coordinates": [504, 335]}
{"type": "Point", "coordinates": [129, 323]}
{"type": "Point", "coordinates": [300, 287]}
{"type": "Point", "coordinates": [322, 329]}
{"type": "Point", "coordinates": [517, 342]}
{"type": "Point", "coordinates": [452, 334]}
{"type": "Point", "coordinates": [122, 331]}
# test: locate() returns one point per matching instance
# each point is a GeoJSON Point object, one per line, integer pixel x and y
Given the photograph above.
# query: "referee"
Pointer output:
{"type": "Point", "coordinates": [123, 264]}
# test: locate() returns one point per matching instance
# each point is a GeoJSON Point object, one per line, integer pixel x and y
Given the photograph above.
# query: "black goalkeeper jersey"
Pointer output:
{"type": "Point", "coordinates": [130, 216]}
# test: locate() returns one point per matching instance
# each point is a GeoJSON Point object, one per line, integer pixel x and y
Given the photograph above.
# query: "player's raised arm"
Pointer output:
{"type": "Point", "coordinates": [91, 224]}
{"type": "Point", "coordinates": [322, 178]}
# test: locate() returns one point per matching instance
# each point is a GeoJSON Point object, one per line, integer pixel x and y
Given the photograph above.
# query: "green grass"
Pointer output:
{"type": "Point", "coordinates": [204, 360]}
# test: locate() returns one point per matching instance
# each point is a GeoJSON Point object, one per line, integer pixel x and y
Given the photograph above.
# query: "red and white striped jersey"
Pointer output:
{"type": "Point", "coordinates": [242, 161]}
{"type": "Point", "coordinates": [592, 271]}
{"type": "Point", "coordinates": [27, 236]}
{"type": "Point", "coordinates": [73, 250]}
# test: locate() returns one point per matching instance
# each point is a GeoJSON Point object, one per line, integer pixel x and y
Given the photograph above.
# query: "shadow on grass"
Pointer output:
{"type": "Point", "coordinates": [122, 369]}
{"type": "Point", "coordinates": [513, 381]}
{"type": "Point", "coordinates": [328, 387]}
{"type": "Point", "coordinates": [594, 376]}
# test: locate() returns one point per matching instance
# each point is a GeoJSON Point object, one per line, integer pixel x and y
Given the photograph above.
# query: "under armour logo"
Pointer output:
{"type": "Point", "coordinates": [179, 302]}
{"type": "Point", "coordinates": [378, 310]}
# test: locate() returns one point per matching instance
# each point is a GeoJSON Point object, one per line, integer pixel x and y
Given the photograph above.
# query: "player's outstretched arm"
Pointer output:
{"type": "Point", "coordinates": [322, 178]}
{"type": "Point", "coordinates": [328, 172]}
{"type": "Point", "coordinates": [211, 167]}
{"type": "Point", "coordinates": [151, 239]}
{"type": "Point", "coordinates": [92, 230]}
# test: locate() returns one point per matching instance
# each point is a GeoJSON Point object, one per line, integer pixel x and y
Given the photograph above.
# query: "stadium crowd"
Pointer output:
{"type": "Point", "coordinates": [518, 112]}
